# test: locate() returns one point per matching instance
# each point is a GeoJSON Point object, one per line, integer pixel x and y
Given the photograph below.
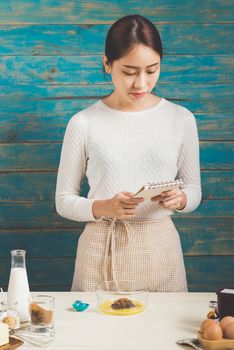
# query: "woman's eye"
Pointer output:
{"type": "Point", "coordinates": [126, 73]}
{"type": "Point", "coordinates": [129, 73]}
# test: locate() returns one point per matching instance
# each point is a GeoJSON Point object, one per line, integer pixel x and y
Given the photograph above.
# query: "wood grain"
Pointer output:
{"type": "Point", "coordinates": [28, 156]}
{"type": "Point", "coordinates": [40, 186]}
{"type": "Point", "coordinates": [206, 274]}
{"type": "Point", "coordinates": [50, 68]}
{"type": "Point", "coordinates": [44, 100]}
{"type": "Point", "coordinates": [88, 69]}
{"type": "Point", "coordinates": [177, 38]}
{"type": "Point", "coordinates": [209, 273]}
{"type": "Point", "coordinates": [43, 214]}
{"type": "Point", "coordinates": [13, 344]}
{"type": "Point", "coordinates": [198, 237]}
{"type": "Point", "coordinates": [90, 12]}
{"type": "Point", "coordinates": [20, 128]}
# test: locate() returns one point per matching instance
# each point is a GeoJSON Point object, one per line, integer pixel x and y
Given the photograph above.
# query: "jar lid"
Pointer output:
{"type": "Point", "coordinates": [213, 304]}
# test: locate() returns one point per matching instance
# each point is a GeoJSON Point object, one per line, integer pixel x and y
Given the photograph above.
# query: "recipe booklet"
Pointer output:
{"type": "Point", "coordinates": [156, 188]}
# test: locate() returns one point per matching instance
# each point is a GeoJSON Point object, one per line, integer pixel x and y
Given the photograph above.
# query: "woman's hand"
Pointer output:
{"type": "Point", "coordinates": [121, 206]}
{"type": "Point", "coordinates": [174, 199]}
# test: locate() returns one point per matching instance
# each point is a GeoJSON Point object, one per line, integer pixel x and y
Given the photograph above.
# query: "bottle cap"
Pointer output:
{"type": "Point", "coordinates": [213, 304]}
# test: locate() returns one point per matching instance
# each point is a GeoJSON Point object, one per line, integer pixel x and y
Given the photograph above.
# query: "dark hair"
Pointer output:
{"type": "Point", "coordinates": [128, 31]}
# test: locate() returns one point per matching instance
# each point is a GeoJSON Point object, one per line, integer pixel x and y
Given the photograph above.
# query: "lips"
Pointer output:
{"type": "Point", "coordinates": [138, 94]}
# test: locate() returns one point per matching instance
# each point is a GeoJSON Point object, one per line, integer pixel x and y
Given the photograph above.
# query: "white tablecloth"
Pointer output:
{"type": "Point", "coordinates": [168, 318]}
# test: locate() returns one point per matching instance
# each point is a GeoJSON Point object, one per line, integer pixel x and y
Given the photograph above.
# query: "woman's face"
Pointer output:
{"type": "Point", "coordinates": [134, 75]}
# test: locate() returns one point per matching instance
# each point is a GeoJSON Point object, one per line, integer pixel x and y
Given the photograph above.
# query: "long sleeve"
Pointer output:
{"type": "Point", "coordinates": [69, 203]}
{"type": "Point", "coordinates": [188, 165]}
{"type": "Point", "coordinates": [120, 151]}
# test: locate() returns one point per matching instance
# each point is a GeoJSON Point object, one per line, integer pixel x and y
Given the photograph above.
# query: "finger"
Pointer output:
{"type": "Point", "coordinates": [172, 204]}
{"type": "Point", "coordinates": [175, 197]}
{"type": "Point", "coordinates": [128, 194]}
{"type": "Point", "coordinates": [129, 207]}
{"type": "Point", "coordinates": [156, 198]}
{"type": "Point", "coordinates": [132, 201]}
{"type": "Point", "coordinates": [164, 198]}
{"type": "Point", "coordinates": [170, 193]}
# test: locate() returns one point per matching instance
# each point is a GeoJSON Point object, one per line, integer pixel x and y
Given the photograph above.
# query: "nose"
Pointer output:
{"type": "Point", "coordinates": [140, 81]}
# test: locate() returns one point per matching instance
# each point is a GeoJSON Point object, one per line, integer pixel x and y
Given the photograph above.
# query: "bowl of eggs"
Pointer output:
{"type": "Point", "coordinates": [217, 335]}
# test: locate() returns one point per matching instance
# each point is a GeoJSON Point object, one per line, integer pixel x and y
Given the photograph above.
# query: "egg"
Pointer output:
{"type": "Point", "coordinates": [206, 323]}
{"type": "Point", "coordinates": [225, 321]}
{"type": "Point", "coordinates": [213, 332]}
{"type": "Point", "coordinates": [229, 331]}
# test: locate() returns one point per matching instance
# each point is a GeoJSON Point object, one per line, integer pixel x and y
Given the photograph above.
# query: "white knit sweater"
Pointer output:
{"type": "Point", "coordinates": [121, 151]}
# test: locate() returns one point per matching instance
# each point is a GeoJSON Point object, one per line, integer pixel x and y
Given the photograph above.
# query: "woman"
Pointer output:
{"type": "Point", "coordinates": [127, 139]}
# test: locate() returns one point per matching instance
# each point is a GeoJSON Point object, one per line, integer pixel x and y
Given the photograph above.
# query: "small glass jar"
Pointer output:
{"type": "Point", "coordinates": [10, 315]}
{"type": "Point", "coordinates": [41, 308]}
{"type": "Point", "coordinates": [213, 310]}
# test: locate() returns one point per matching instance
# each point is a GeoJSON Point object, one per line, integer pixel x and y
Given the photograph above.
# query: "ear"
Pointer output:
{"type": "Point", "coordinates": [106, 65]}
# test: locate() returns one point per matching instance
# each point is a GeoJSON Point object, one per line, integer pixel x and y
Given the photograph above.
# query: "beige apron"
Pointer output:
{"type": "Point", "coordinates": [141, 250]}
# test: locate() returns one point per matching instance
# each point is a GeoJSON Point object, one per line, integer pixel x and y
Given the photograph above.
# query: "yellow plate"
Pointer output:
{"type": "Point", "coordinates": [107, 309]}
{"type": "Point", "coordinates": [223, 344]}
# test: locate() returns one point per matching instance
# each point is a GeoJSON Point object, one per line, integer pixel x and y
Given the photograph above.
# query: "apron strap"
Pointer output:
{"type": "Point", "coordinates": [110, 246]}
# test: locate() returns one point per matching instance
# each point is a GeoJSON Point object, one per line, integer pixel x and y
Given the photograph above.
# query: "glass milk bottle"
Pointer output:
{"type": "Point", "coordinates": [18, 289]}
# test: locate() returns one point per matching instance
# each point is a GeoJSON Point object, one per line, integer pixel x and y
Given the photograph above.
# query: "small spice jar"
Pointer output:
{"type": "Point", "coordinates": [213, 310]}
{"type": "Point", "coordinates": [10, 315]}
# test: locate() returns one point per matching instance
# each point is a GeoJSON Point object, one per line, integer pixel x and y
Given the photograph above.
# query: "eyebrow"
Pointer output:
{"type": "Point", "coordinates": [151, 65]}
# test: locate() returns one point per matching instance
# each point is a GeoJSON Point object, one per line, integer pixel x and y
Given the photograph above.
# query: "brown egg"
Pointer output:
{"type": "Point", "coordinates": [225, 321]}
{"type": "Point", "coordinates": [229, 331]}
{"type": "Point", "coordinates": [205, 324]}
{"type": "Point", "coordinates": [213, 332]}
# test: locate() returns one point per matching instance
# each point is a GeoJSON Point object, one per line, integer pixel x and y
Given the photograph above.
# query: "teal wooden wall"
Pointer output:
{"type": "Point", "coordinates": [50, 68]}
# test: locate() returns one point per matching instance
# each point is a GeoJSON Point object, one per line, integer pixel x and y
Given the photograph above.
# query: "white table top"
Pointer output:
{"type": "Point", "coordinates": [168, 318]}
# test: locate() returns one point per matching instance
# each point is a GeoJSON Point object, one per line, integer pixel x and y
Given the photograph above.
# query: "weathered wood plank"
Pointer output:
{"type": "Point", "coordinates": [16, 215]}
{"type": "Point", "coordinates": [28, 156]}
{"type": "Point", "coordinates": [27, 186]}
{"type": "Point", "coordinates": [40, 186]}
{"type": "Point", "coordinates": [35, 128]}
{"type": "Point", "coordinates": [215, 126]}
{"type": "Point", "coordinates": [49, 288]}
{"type": "Point", "coordinates": [88, 69]}
{"type": "Point", "coordinates": [209, 273]}
{"type": "Point", "coordinates": [39, 243]}
{"type": "Point", "coordinates": [217, 184]}
{"type": "Point", "coordinates": [41, 271]}
{"type": "Point", "coordinates": [66, 100]}
{"type": "Point", "coordinates": [72, 11]}
{"type": "Point", "coordinates": [198, 238]}
{"type": "Point", "coordinates": [204, 274]}
{"type": "Point", "coordinates": [211, 154]}
{"type": "Point", "coordinates": [41, 128]}
{"type": "Point", "coordinates": [178, 38]}
{"type": "Point", "coordinates": [211, 237]}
